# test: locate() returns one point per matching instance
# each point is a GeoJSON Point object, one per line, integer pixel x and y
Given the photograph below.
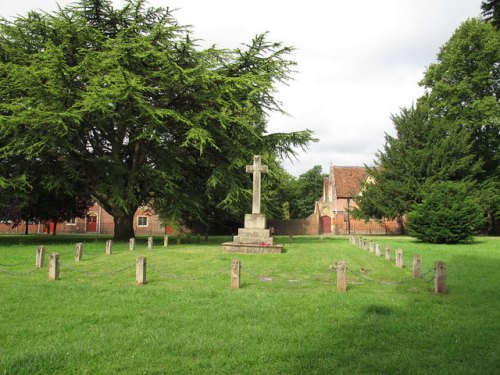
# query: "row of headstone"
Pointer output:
{"type": "Point", "coordinates": [150, 242]}
{"type": "Point", "coordinates": [439, 267]}
{"type": "Point", "coordinates": [55, 266]}
{"type": "Point", "coordinates": [109, 248]}
{"type": "Point", "coordinates": [373, 247]}
{"type": "Point", "coordinates": [140, 268]}
{"type": "Point", "coordinates": [131, 244]}
{"type": "Point", "coordinates": [40, 255]}
{"type": "Point", "coordinates": [54, 262]}
{"type": "Point", "coordinates": [40, 251]}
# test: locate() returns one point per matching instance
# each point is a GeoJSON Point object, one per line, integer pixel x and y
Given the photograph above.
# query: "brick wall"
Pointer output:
{"type": "Point", "coordinates": [295, 226]}
{"type": "Point", "coordinates": [311, 225]}
{"type": "Point", "coordinates": [7, 228]}
{"type": "Point", "coordinates": [391, 227]}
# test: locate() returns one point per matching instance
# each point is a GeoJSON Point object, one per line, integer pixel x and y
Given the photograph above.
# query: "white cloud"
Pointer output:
{"type": "Point", "coordinates": [358, 62]}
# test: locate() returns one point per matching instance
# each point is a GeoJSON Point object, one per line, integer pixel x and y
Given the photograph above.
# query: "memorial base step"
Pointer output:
{"type": "Point", "coordinates": [231, 247]}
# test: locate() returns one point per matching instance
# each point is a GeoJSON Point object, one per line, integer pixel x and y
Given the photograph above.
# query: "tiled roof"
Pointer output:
{"type": "Point", "coordinates": [348, 180]}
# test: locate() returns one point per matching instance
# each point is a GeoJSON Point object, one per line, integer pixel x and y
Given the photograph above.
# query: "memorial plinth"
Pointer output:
{"type": "Point", "coordinates": [231, 247]}
{"type": "Point", "coordinates": [254, 238]}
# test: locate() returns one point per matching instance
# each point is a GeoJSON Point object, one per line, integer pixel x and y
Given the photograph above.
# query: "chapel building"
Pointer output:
{"type": "Point", "coordinates": [333, 209]}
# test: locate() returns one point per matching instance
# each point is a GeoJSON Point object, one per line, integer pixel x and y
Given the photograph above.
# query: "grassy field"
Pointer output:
{"type": "Point", "coordinates": [286, 319]}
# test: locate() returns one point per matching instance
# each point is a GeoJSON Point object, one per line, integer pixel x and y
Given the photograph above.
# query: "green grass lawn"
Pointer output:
{"type": "Point", "coordinates": [287, 318]}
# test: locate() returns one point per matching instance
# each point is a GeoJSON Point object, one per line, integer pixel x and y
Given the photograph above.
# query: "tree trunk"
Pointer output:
{"type": "Point", "coordinates": [26, 231]}
{"type": "Point", "coordinates": [124, 224]}
{"type": "Point", "coordinates": [55, 225]}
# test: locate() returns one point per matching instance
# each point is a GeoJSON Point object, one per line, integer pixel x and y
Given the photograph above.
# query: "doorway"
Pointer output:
{"type": "Point", "coordinates": [91, 223]}
{"type": "Point", "coordinates": [326, 224]}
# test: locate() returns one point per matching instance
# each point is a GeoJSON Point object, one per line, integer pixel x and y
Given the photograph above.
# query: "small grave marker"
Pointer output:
{"type": "Point", "coordinates": [440, 277]}
{"type": "Point", "coordinates": [78, 252]}
{"type": "Point", "coordinates": [417, 266]}
{"type": "Point", "coordinates": [109, 247]}
{"type": "Point", "coordinates": [131, 244]}
{"type": "Point", "coordinates": [341, 276]}
{"type": "Point", "coordinates": [40, 256]}
{"type": "Point", "coordinates": [235, 274]}
{"type": "Point", "coordinates": [54, 264]}
{"type": "Point", "coordinates": [399, 258]}
{"type": "Point", "coordinates": [387, 252]}
{"type": "Point", "coordinates": [140, 271]}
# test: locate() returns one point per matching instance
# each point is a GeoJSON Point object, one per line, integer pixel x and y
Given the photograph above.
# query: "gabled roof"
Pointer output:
{"type": "Point", "coordinates": [348, 180]}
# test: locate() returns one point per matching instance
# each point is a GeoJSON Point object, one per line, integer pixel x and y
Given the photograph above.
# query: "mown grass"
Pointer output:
{"type": "Point", "coordinates": [286, 319]}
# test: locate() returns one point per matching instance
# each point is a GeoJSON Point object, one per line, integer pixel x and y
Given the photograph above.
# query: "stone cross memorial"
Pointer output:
{"type": "Point", "coordinates": [256, 168]}
{"type": "Point", "coordinates": [254, 237]}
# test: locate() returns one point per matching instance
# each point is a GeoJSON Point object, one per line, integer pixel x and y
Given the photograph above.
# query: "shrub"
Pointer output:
{"type": "Point", "coordinates": [448, 214]}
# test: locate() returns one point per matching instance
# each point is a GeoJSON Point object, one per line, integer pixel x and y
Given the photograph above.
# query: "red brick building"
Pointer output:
{"type": "Point", "coordinates": [331, 212]}
{"type": "Point", "coordinates": [97, 221]}
{"type": "Point", "coordinates": [339, 190]}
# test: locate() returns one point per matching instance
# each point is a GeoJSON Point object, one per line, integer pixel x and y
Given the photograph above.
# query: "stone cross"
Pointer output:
{"type": "Point", "coordinates": [256, 168]}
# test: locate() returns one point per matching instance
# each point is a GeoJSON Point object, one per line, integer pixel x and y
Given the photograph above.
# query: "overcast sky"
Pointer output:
{"type": "Point", "coordinates": [358, 62]}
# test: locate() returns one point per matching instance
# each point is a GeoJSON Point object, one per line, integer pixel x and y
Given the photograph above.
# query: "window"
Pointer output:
{"type": "Point", "coordinates": [142, 221]}
{"type": "Point", "coordinates": [71, 221]}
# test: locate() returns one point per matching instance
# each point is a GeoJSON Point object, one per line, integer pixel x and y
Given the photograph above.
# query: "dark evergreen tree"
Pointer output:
{"type": "Point", "coordinates": [126, 99]}
{"type": "Point", "coordinates": [452, 134]}
{"type": "Point", "coordinates": [424, 149]}
{"type": "Point", "coordinates": [491, 12]}
{"type": "Point", "coordinates": [463, 88]}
